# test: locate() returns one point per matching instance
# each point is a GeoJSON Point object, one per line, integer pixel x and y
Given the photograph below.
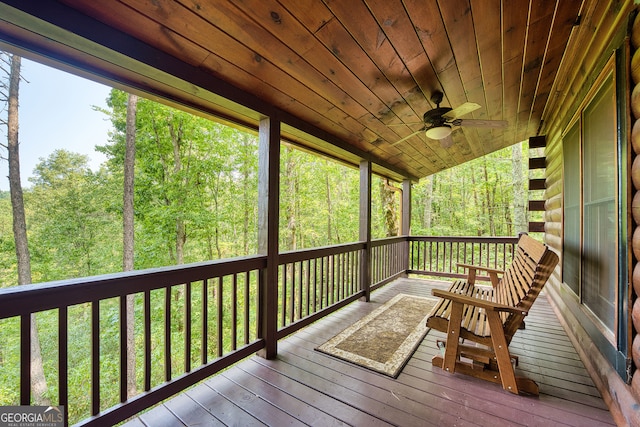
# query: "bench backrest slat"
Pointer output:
{"type": "Point", "coordinates": [521, 283]}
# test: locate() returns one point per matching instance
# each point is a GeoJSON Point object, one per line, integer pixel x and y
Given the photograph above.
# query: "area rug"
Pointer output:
{"type": "Point", "coordinates": [386, 338]}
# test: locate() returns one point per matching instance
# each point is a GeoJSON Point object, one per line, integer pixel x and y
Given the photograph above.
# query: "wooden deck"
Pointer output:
{"type": "Point", "coordinates": [305, 387]}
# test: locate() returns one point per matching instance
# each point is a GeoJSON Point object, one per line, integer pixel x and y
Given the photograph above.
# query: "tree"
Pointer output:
{"type": "Point", "coordinates": [38, 380]}
{"type": "Point", "coordinates": [128, 236]}
{"type": "Point", "coordinates": [519, 194]}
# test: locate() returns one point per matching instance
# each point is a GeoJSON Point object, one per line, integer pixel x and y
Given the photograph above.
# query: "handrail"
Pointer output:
{"type": "Point", "coordinates": [311, 284]}
{"type": "Point", "coordinates": [37, 297]}
{"type": "Point", "coordinates": [439, 256]}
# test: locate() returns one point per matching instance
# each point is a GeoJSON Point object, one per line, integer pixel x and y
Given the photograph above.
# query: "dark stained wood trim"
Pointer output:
{"type": "Point", "coordinates": [537, 163]}
{"type": "Point", "coordinates": [537, 184]}
{"type": "Point", "coordinates": [538, 141]}
{"type": "Point", "coordinates": [365, 227]}
{"type": "Point", "coordinates": [268, 223]}
{"type": "Point", "coordinates": [405, 224]}
{"type": "Point", "coordinates": [536, 227]}
{"type": "Point", "coordinates": [536, 205]}
{"type": "Point", "coordinates": [73, 291]}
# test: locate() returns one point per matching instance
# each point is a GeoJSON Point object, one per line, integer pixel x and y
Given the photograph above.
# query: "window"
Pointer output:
{"type": "Point", "coordinates": [590, 213]}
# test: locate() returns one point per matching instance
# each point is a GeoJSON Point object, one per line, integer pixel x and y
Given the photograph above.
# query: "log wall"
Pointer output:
{"type": "Point", "coordinates": [575, 79]}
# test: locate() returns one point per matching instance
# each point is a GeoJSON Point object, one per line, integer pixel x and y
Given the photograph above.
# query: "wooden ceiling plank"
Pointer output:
{"type": "Point", "coordinates": [336, 39]}
{"type": "Point", "coordinates": [488, 34]}
{"type": "Point", "coordinates": [486, 20]}
{"type": "Point", "coordinates": [280, 32]}
{"type": "Point", "coordinates": [365, 31]}
{"type": "Point", "coordinates": [311, 13]}
{"type": "Point", "coordinates": [139, 25]}
{"type": "Point", "coordinates": [202, 31]}
{"type": "Point", "coordinates": [429, 28]}
{"type": "Point", "coordinates": [514, 25]}
{"type": "Point", "coordinates": [541, 18]}
{"type": "Point", "coordinates": [458, 23]}
{"type": "Point", "coordinates": [563, 23]}
{"type": "Point", "coordinates": [392, 18]}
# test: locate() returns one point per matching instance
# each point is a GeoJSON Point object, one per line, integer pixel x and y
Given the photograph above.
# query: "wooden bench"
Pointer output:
{"type": "Point", "coordinates": [489, 316]}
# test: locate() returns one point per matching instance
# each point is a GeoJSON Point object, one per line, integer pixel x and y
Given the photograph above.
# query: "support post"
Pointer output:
{"type": "Point", "coordinates": [268, 218]}
{"type": "Point", "coordinates": [405, 225]}
{"type": "Point", "coordinates": [365, 228]}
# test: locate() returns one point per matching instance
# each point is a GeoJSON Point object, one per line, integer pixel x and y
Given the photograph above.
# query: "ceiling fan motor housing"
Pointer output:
{"type": "Point", "coordinates": [434, 117]}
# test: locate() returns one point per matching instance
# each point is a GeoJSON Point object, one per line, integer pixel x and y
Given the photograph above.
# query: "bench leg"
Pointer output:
{"type": "Point", "coordinates": [453, 337]}
{"type": "Point", "coordinates": [501, 349]}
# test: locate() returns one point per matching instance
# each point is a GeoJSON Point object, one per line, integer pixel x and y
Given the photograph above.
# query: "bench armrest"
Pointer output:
{"type": "Point", "coordinates": [471, 276]}
{"type": "Point", "coordinates": [476, 302]}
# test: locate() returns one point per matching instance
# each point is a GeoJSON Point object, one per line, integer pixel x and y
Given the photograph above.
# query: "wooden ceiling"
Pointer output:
{"type": "Point", "coordinates": [363, 71]}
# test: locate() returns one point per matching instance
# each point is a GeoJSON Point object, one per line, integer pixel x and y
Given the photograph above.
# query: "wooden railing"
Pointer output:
{"type": "Point", "coordinates": [213, 308]}
{"type": "Point", "coordinates": [438, 256]}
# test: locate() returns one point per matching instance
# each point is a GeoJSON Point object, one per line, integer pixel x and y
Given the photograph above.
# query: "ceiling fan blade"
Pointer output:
{"type": "Point", "coordinates": [407, 137]}
{"type": "Point", "coordinates": [405, 124]}
{"type": "Point", "coordinates": [463, 109]}
{"type": "Point", "coordinates": [483, 123]}
{"type": "Point", "coordinates": [446, 142]}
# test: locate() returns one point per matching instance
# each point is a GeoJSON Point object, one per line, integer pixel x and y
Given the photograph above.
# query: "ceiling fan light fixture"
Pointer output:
{"type": "Point", "coordinates": [439, 132]}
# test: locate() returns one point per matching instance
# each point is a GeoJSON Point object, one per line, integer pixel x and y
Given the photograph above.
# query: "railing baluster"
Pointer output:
{"type": "Point", "coordinates": [123, 348]}
{"type": "Point", "coordinates": [95, 357]}
{"type": "Point", "coordinates": [204, 342]}
{"type": "Point", "coordinates": [167, 333]}
{"type": "Point", "coordinates": [292, 296]}
{"type": "Point", "coordinates": [283, 320]}
{"type": "Point", "coordinates": [187, 327]}
{"type": "Point", "coordinates": [300, 290]}
{"type": "Point", "coordinates": [220, 318]}
{"type": "Point", "coordinates": [322, 284]}
{"type": "Point", "coordinates": [25, 358]}
{"type": "Point", "coordinates": [315, 285]}
{"type": "Point", "coordinates": [308, 279]}
{"type": "Point", "coordinates": [63, 361]}
{"type": "Point", "coordinates": [147, 340]}
{"type": "Point", "coordinates": [63, 358]}
{"type": "Point", "coordinates": [247, 304]}
{"type": "Point", "coordinates": [234, 312]}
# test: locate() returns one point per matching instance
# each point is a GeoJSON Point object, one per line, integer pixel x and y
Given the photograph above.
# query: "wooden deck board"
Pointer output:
{"type": "Point", "coordinates": [306, 387]}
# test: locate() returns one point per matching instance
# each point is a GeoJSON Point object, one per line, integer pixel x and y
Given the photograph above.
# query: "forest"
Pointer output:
{"type": "Point", "coordinates": [195, 198]}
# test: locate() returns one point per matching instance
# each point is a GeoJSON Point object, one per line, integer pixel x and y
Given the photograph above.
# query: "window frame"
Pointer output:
{"type": "Point", "coordinates": [614, 343]}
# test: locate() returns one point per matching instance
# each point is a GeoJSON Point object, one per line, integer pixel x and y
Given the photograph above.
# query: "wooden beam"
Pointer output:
{"type": "Point", "coordinates": [537, 163]}
{"type": "Point", "coordinates": [538, 141]}
{"type": "Point", "coordinates": [536, 205]}
{"type": "Point", "coordinates": [365, 228]}
{"type": "Point", "coordinates": [537, 184]}
{"type": "Point", "coordinates": [536, 227]}
{"type": "Point", "coordinates": [268, 222]}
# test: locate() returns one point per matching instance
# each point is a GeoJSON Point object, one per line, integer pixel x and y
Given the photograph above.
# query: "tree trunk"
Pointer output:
{"type": "Point", "coordinates": [128, 237]}
{"type": "Point", "coordinates": [38, 380]}
{"type": "Point", "coordinates": [245, 196]}
{"type": "Point", "coordinates": [181, 231]}
{"type": "Point", "coordinates": [390, 214]}
{"type": "Point", "coordinates": [428, 203]}
{"type": "Point", "coordinates": [519, 193]}
{"type": "Point", "coordinates": [329, 207]}
{"type": "Point", "coordinates": [488, 203]}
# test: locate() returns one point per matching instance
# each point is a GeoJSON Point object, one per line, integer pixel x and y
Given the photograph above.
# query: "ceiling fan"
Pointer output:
{"type": "Point", "coordinates": [438, 122]}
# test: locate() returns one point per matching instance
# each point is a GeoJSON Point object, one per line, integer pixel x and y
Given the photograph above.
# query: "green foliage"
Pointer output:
{"type": "Point", "coordinates": [473, 199]}
{"type": "Point", "coordinates": [196, 199]}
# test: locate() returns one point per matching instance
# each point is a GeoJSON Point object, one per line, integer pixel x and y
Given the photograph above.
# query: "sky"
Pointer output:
{"type": "Point", "coordinates": [56, 112]}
